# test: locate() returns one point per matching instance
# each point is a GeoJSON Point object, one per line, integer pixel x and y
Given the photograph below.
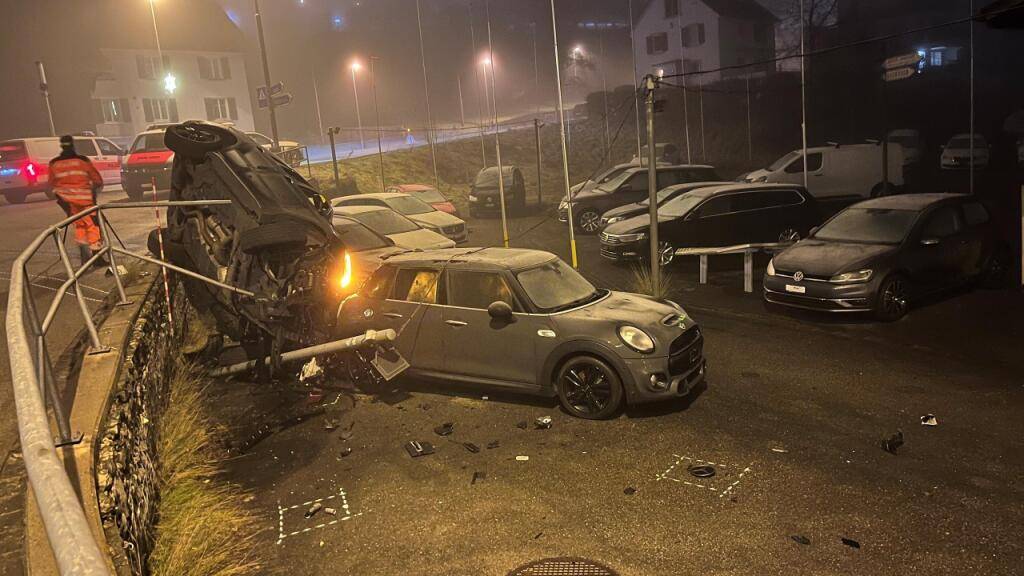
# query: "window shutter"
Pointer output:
{"type": "Point", "coordinates": [140, 64]}
{"type": "Point", "coordinates": [225, 67]}
{"type": "Point", "coordinates": [232, 109]}
{"type": "Point", "coordinates": [172, 107]}
{"type": "Point", "coordinates": [166, 64]}
{"type": "Point", "coordinates": [205, 71]}
{"type": "Point", "coordinates": [126, 110]}
{"type": "Point", "coordinates": [211, 108]}
{"type": "Point", "coordinates": [650, 44]}
{"type": "Point", "coordinates": [97, 111]}
{"type": "Point", "coordinates": [147, 109]}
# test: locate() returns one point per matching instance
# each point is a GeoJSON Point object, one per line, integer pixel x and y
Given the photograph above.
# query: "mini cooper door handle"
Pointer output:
{"type": "Point", "coordinates": [456, 323]}
{"type": "Point", "coordinates": [392, 315]}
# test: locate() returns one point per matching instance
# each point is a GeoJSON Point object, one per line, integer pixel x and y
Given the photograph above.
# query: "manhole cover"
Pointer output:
{"type": "Point", "coordinates": [563, 567]}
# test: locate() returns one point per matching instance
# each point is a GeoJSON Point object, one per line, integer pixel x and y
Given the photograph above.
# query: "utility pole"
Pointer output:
{"type": "Point", "coordinates": [652, 188]}
{"type": "Point", "coordinates": [497, 133]}
{"type": "Point", "coordinates": [700, 93]}
{"type": "Point", "coordinates": [565, 152]}
{"type": "Point", "coordinates": [636, 84]}
{"type": "Point", "coordinates": [803, 89]}
{"type": "Point", "coordinates": [462, 108]}
{"type": "Point", "coordinates": [750, 143]}
{"type": "Point", "coordinates": [971, 24]}
{"type": "Point", "coordinates": [355, 93]}
{"type": "Point", "coordinates": [476, 68]}
{"type": "Point", "coordinates": [319, 117]}
{"type": "Point", "coordinates": [426, 92]}
{"type": "Point", "coordinates": [536, 70]}
{"type": "Point", "coordinates": [45, 89]}
{"type": "Point", "coordinates": [376, 111]}
{"type": "Point", "coordinates": [536, 135]}
{"type": "Point", "coordinates": [686, 103]}
{"type": "Point", "coordinates": [266, 78]}
{"type": "Point", "coordinates": [604, 88]}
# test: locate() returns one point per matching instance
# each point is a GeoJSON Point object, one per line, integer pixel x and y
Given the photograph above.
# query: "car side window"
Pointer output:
{"type": "Point", "coordinates": [667, 178]}
{"type": "Point", "coordinates": [975, 213]}
{"type": "Point", "coordinates": [107, 148]}
{"type": "Point", "coordinates": [942, 223]}
{"type": "Point", "coordinates": [716, 206]}
{"type": "Point", "coordinates": [779, 198]}
{"type": "Point", "coordinates": [416, 285]}
{"type": "Point", "coordinates": [478, 290]}
{"type": "Point", "coordinates": [813, 164]}
{"type": "Point", "coordinates": [636, 182]}
{"type": "Point", "coordinates": [85, 147]}
{"type": "Point", "coordinates": [745, 201]}
{"type": "Point", "coordinates": [379, 285]}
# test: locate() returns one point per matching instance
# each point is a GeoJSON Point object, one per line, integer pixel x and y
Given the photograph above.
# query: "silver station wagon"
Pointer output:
{"type": "Point", "coordinates": [525, 321]}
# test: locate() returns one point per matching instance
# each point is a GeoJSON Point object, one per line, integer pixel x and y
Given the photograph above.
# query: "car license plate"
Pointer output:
{"type": "Point", "coordinates": [797, 289]}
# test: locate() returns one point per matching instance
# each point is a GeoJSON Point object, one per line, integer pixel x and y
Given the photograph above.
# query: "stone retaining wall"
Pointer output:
{"type": "Point", "coordinates": [127, 462]}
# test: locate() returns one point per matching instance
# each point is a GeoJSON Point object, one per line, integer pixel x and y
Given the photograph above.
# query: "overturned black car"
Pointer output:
{"type": "Point", "coordinates": [273, 243]}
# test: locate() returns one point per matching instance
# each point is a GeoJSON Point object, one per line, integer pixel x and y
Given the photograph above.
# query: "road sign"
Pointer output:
{"type": "Point", "coordinates": [283, 99]}
{"type": "Point", "coordinates": [262, 98]}
{"type": "Point", "coordinates": [899, 74]}
{"type": "Point", "coordinates": [277, 88]}
{"type": "Point", "coordinates": [910, 59]}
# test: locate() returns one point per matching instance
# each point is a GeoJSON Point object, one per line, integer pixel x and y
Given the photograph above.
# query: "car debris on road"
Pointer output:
{"type": "Point", "coordinates": [542, 423]}
{"type": "Point", "coordinates": [929, 420]}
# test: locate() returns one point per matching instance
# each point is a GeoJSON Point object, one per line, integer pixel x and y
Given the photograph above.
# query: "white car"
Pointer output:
{"type": "Point", "coordinates": [414, 209]}
{"type": "Point", "coordinates": [956, 154]}
{"type": "Point", "coordinates": [24, 163]}
{"type": "Point", "coordinates": [291, 152]}
{"type": "Point", "coordinates": [403, 232]}
{"type": "Point", "coordinates": [839, 171]}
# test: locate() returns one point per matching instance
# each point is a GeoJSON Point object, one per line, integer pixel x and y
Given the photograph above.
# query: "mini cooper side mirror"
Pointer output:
{"type": "Point", "coordinates": [500, 310]}
{"type": "Point", "coordinates": [929, 241]}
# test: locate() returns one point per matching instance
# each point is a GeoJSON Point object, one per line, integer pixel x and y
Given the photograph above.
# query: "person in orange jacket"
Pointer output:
{"type": "Point", "coordinates": [75, 182]}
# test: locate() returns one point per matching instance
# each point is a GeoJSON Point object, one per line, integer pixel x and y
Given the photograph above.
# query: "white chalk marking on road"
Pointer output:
{"type": "Point", "coordinates": [282, 534]}
{"type": "Point", "coordinates": [733, 485]}
{"type": "Point", "coordinates": [679, 460]}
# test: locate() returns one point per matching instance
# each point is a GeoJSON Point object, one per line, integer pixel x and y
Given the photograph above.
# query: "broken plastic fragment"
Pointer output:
{"type": "Point", "coordinates": [493, 444]}
{"type": "Point", "coordinates": [892, 443]}
{"type": "Point", "coordinates": [310, 370]}
{"type": "Point", "coordinates": [313, 510]}
{"type": "Point", "coordinates": [801, 539]}
{"type": "Point", "coordinates": [444, 429]}
{"type": "Point", "coordinates": [478, 476]}
{"type": "Point", "coordinates": [330, 511]}
{"type": "Point", "coordinates": [345, 451]}
{"type": "Point", "coordinates": [471, 447]}
{"type": "Point", "coordinates": [629, 491]}
{"type": "Point", "coordinates": [851, 543]}
{"type": "Point", "coordinates": [929, 420]}
{"type": "Point", "coordinates": [417, 449]}
{"type": "Point", "coordinates": [522, 458]}
{"type": "Point", "coordinates": [542, 423]}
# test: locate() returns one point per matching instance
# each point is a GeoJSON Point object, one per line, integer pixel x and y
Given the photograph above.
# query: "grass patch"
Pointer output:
{"type": "Point", "coordinates": [642, 281]}
{"type": "Point", "coordinates": [204, 525]}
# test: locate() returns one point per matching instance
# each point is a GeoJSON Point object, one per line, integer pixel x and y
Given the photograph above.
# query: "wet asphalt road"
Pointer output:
{"type": "Point", "coordinates": [792, 418]}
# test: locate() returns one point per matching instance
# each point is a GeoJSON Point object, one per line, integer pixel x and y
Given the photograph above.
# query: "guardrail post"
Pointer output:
{"type": "Point", "coordinates": [97, 347]}
{"type": "Point", "coordinates": [703, 268]}
{"type": "Point", "coordinates": [748, 271]}
{"type": "Point", "coordinates": [105, 227]}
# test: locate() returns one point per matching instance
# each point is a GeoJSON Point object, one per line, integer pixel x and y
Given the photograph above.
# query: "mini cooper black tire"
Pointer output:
{"type": "Point", "coordinates": [589, 388]}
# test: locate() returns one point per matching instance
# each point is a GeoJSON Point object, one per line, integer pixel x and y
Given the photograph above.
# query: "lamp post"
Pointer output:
{"type": "Point", "coordinates": [561, 125]}
{"type": "Point", "coordinates": [497, 133]}
{"type": "Point", "coordinates": [355, 67]}
{"type": "Point", "coordinates": [170, 82]}
{"type": "Point", "coordinates": [376, 111]}
{"type": "Point", "coordinates": [426, 93]}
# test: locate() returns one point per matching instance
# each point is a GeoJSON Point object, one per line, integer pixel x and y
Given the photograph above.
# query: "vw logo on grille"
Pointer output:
{"type": "Point", "coordinates": [798, 276]}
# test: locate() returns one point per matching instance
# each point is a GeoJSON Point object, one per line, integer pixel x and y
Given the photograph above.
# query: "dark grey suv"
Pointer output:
{"type": "Point", "coordinates": [526, 321]}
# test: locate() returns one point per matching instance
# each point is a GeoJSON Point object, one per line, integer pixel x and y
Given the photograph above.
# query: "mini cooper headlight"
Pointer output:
{"type": "Point", "coordinates": [851, 277]}
{"type": "Point", "coordinates": [636, 339]}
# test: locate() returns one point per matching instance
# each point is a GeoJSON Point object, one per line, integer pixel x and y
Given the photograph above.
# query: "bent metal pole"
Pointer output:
{"type": "Point", "coordinates": [561, 127]}
{"type": "Point", "coordinates": [370, 338]}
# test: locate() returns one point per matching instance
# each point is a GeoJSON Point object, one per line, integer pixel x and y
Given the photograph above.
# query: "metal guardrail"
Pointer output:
{"type": "Point", "coordinates": [32, 375]}
{"type": "Point", "coordinates": [748, 251]}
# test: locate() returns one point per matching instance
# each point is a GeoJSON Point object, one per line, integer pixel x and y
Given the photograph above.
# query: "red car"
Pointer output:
{"type": "Point", "coordinates": [428, 194]}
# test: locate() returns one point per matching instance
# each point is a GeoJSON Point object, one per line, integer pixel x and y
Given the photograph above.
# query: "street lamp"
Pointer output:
{"type": "Point", "coordinates": [355, 67]}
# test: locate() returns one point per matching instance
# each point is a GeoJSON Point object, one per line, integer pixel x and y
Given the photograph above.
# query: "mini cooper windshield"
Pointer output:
{"type": "Point", "coordinates": [555, 286]}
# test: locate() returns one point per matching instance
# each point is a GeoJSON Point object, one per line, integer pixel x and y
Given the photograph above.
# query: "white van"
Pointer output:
{"type": "Point", "coordinates": [24, 163]}
{"type": "Point", "coordinates": [839, 171]}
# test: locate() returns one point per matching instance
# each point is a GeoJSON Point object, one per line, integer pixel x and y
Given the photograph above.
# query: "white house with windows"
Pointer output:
{"type": "Point", "coordinates": [675, 36]}
{"type": "Point", "coordinates": [132, 93]}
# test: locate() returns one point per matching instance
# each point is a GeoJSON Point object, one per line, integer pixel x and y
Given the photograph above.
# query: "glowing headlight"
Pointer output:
{"type": "Point", "coordinates": [629, 237]}
{"type": "Point", "coordinates": [346, 275]}
{"type": "Point", "coordinates": [852, 277]}
{"type": "Point", "coordinates": [636, 339]}
{"type": "Point", "coordinates": [771, 267]}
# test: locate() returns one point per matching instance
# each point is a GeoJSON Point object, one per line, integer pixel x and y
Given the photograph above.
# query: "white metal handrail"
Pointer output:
{"type": "Point", "coordinates": [747, 250]}
{"type": "Point", "coordinates": [71, 540]}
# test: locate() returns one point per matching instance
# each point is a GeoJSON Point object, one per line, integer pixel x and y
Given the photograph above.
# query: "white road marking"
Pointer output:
{"type": "Point", "coordinates": [282, 534]}
{"type": "Point", "coordinates": [679, 460]}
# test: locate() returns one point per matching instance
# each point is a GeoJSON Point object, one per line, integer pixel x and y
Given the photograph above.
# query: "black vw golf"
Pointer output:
{"type": "Point", "coordinates": [880, 254]}
{"type": "Point", "coordinates": [715, 216]}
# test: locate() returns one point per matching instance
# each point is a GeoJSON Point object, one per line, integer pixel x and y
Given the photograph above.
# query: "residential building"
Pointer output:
{"type": "Point", "coordinates": [132, 93]}
{"type": "Point", "coordinates": [674, 36]}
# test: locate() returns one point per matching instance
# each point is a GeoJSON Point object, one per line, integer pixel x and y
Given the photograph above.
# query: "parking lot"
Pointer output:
{"type": "Point", "coordinates": [792, 419]}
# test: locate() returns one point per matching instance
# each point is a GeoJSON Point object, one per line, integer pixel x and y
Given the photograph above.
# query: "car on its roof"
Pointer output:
{"type": "Point", "coordinates": [664, 195]}
{"type": "Point", "coordinates": [525, 321]}
{"type": "Point", "coordinates": [428, 194]}
{"type": "Point", "coordinates": [628, 187]}
{"type": "Point", "coordinates": [402, 231]}
{"type": "Point", "coordinates": [716, 216]}
{"type": "Point", "coordinates": [412, 208]}
{"type": "Point", "coordinates": [883, 254]}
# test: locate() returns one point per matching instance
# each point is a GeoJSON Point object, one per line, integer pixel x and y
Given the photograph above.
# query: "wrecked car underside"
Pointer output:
{"type": "Point", "coordinates": [274, 240]}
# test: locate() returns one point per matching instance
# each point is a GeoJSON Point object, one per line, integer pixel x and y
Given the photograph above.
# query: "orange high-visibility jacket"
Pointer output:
{"type": "Point", "coordinates": [73, 179]}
